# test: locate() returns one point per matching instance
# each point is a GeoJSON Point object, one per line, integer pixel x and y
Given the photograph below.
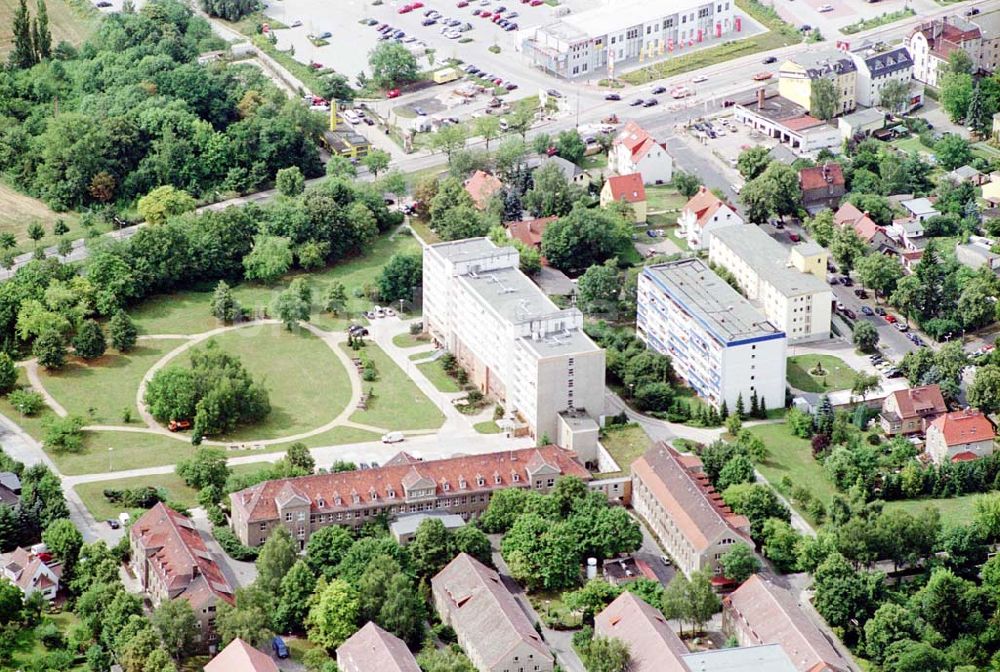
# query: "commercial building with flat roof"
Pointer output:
{"type": "Point", "coordinates": [787, 121]}
{"type": "Point", "coordinates": [617, 32]}
{"type": "Point", "coordinates": [793, 299]}
{"type": "Point", "coordinates": [720, 343]}
{"type": "Point", "coordinates": [517, 346]}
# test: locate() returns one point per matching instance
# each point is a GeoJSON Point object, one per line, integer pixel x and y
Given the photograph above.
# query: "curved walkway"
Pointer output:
{"type": "Point", "coordinates": [31, 369]}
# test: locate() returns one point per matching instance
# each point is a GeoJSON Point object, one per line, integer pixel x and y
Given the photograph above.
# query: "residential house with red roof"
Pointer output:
{"type": "Point", "coordinates": [238, 656]}
{"type": "Point", "coordinates": [703, 213]}
{"type": "Point", "coordinates": [671, 492]}
{"type": "Point", "coordinates": [490, 625]}
{"type": "Point", "coordinates": [171, 561]}
{"type": "Point", "coordinates": [760, 612]}
{"type": "Point", "coordinates": [933, 42]}
{"type": "Point", "coordinates": [635, 151]}
{"type": "Point", "coordinates": [530, 232]}
{"type": "Point", "coordinates": [822, 186]}
{"type": "Point", "coordinates": [481, 187]}
{"type": "Point", "coordinates": [653, 645]}
{"type": "Point", "coordinates": [628, 189]}
{"type": "Point", "coordinates": [911, 411]}
{"type": "Point", "coordinates": [874, 235]}
{"type": "Point", "coordinates": [31, 573]}
{"type": "Point", "coordinates": [371, 648]}
{"type": "Point", "coordinates": [460, 485]}
{"type": "Point", "coordinates": [960, 436]}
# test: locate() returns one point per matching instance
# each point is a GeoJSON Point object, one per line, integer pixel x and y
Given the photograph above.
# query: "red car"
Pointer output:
{"type": "Point", "coordinates": [891, 319]}
{"type": "Point", "coordinates": [462, 3]}
{"type": "Point", "coordinates": [392, 93]}
{"type": "Point", "coordinates": [535, 3]}
{"type": "Point", "coordinates": [405, 9]}
{"type": "Point", "coordinates": [486, 15]}
{"type": "Point", "coordinates": [417, 5]}
{"type": "Point", "coordinates": [316, 66]}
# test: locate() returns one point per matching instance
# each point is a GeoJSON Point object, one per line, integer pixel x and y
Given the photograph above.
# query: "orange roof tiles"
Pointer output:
{"type": "Point", "coordinates": [481, 187]}
{"type": "Point", "coordinates": [961, 427]}
{"type": "Point", "coordinates": [371, 648]}
{"type": "Point", "coordinates": [704, 204]}
{"type": "Point", "coordinates": [652, 643]}
{"type": "Point", "coordinates": [239, 656]}
{"type": "Point", "coordinates": [179, 556]}
{"type": "Point", "coordinates": [686, 495]}
{"type": "Point", "coordinates": [628, 188]}
{"type": "Point", "coordinates": [530, 231]}
{"type": "Point", "coordinates": [335, 492]}
{"type": "Point", "coordinates": [918, 401]}
{"type": "Point", "coordinates": [820, 177]}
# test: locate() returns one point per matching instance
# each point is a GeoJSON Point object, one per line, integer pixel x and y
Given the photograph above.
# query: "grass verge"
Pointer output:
{"type": "Point", "coordinates": [398, 403]}
{"type": "Point", "coordinates": [789, 455]}
{"type": "Point", "coordinates": [837, 375]}
{"type": "Point", "coordinates": [439, 377]}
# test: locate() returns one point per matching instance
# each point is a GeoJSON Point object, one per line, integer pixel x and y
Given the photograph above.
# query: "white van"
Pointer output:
{"type": "Point", "coordinates": [392, 437]}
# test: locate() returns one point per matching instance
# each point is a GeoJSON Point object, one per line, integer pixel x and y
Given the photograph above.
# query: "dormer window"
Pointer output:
{"type": "Point", "coordinates": [391, 493]}
{"type": "Point", "coordinates": [355, 498]}
{"type": "Point", "coordinates": [480, 481]}
{"type": "Point", "coordinates": [321, 503]}
{"type": "Point", "coordinates": [496, 478]}
{"type": "Point", "coordinates": [515, 477]}
{"type": "Point", "coordinates": [461, 483]}
{"type": "Point", "coordinates": [337, 500]}
{"type": "Point", "coordinates": [373, 494]}
{"type": "Point", "coordinates": [445, 486]}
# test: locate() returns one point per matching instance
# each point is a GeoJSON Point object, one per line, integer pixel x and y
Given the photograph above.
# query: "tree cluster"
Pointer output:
{"type": "Point", "coordinates": [137, 112]}
{"type": "Point", "coordinates": [41, 504]}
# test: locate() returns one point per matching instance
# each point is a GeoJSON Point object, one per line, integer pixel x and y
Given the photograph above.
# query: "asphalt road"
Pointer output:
{"type": "Point", "coordinates": [894, 343]}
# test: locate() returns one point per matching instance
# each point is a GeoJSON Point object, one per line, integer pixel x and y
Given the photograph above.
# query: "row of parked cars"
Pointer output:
{"type": "Point", "coordinates": [488, 76]}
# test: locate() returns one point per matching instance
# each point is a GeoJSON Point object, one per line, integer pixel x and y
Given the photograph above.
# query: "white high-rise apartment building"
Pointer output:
{"type": "Point", "coordinates": [720, 344]}
{"type": "Point", "coordinates": [517, 346]}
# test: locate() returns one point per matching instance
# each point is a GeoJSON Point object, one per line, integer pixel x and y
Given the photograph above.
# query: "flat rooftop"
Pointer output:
{"type": "Point", "coordinates": [468, 249]}
{"type": "Point", "coordinates": [775, 107]}
{"type": "Point", "coordinates": [864, 116]}
{"type": "Point", "coordinates": [616, 16]}
{"type": "Point", "coordinates": [770, 657]}
{"type": "Point", "coordinates": [770, 259]}
{"type": "Point", "coordinates": [711, 300]}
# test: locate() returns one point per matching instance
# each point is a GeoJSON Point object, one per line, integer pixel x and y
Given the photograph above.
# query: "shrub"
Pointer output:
{"type": "Point", "coordinates": [51, 637]}
{"type": "Point", "coordinates": [232, 546]}
{"type": "Point", "coordinates": [27, 402]}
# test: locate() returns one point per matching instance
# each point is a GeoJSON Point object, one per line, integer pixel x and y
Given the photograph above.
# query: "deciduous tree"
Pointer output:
{"type": "Point", "coordinates": [333, 615]}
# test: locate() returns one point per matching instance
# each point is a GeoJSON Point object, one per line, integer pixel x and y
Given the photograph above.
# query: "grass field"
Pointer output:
{"type": "Point", "coordinates": [838, 375]}
{"type": "Point", "coordinates": [788, 455]}
{"type": "Point", "coordinates": [410, 341]}
{"type": "Point", "coordinates": [70, 21]}
{"type": "Point", "coordinates": [188, 312]}
{"type": "Point", "coordinates": [626, 444]}
{"type": "Point", "coordinates": [487, 427]}
{"type": "Point", "coordinates": [18, 211]}
{"type": "Point", "coordinates": [101, 508]}
{"type": "Point", "coordinates": [398, 404]}
{"type": "Point", "coordinates": [954, 510]}
{"type": "Point", "coordinates": [662, 197]}
{"type": "Point", "coordinates": [307, 384]}
{"type": "Point", "coordinates": [28, 647]}
{"type": "Point", "coordinates": [437, 375]}
{"type": "Point", "coordinates": [117, 377]}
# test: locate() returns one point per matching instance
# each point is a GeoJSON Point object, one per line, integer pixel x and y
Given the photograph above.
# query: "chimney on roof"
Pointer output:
{"type": "Point", "coordinates": [760, 98]}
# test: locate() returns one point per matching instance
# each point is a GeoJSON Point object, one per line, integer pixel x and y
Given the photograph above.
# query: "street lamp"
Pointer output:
{"type": "Point", "coordinates": [110, 450]}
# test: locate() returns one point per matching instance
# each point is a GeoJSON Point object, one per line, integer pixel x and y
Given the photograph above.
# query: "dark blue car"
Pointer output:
{"type": "Point", "coordinates": [280, 649]}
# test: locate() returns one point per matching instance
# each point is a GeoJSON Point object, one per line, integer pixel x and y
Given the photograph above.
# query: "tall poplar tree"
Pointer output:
{"type": "Point", "coordinates": [23, 53]}
{"type": "Point", "coordinates": [43, 35]}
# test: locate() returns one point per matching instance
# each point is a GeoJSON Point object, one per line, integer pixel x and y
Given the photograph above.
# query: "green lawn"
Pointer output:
{"type": "Point", "coordinates": [594, 161]}
{"type": "Point", "coordinates": [837, 374]}
{"type": "Point", "coordinates": [177, 491]}
{"type": "Point", "coordinates": [487, 427]}
{"type": "Point", "coordinates": [954, 510]}
{"type": "Point", "coordinates": [664, 197]}
{"type": "Point", "coordinates": [911, 144]}
{"type": "Point", "coordinates": [28, 648]}
{"type": "Point", "coordinates": [307, 384]}
{"type": "Point", "coordinates": [188, 312]}
{"type": "Point", "coordinates": [398, 403]}
{"type": "Point", "coordinates": [116, 376]}
{"type": "Point", "coordinates": [437, 375]}
{"type": "Point", "coordinates": [788, 455]}
{"type": "Point", "coordinates": [408, 340]}
{"type": "Point", "coordinates": [626, 444]}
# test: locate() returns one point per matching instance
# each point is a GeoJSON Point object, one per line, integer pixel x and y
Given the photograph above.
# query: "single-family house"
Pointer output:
{"type": "Point", "coordinates": [490, 625]}
{"type": "Point", "coordinates": [760, 613]}
{"type": "Point", "coordinates": [653, 645]}
{"type": "Point", "coordinates": [908, 232]}
{"type": "Point", "coordinates": [967, 174]}
{"type": "Point", "coordinates": [530, 231]}
{"type": "Point", "coordinates": [701, 214]}
{"type": "Point", "coordinates": [31, 573]}
{"type": "Point", "coordinates": [481, 187]}
{"type": "Point", "coordinates": [573, 173]}
{"type": "Point", "coordinates": [960, 436]}
{"type": "Point", "coordinates": [635, 151]}
{"type": "Point", "coordinates": [822, 186]}
{"type": "Point", "coordinates": [910, 258]}
{"type": "Point", "coordinates": [870, 232]}
{"type": "Point", "coordinates": [910, 411]}
{"type": "Point", "coordinates": [920, 208]}
{"type": "Point", "coordinates": [628, 189]}
{"type": "Point", "coordinates": [372, 649]}
{"type": "Point", "coordinates": [238, 656]}
{"type": "Point", "coordinates": [977, 253]}
{"type": "Point", "coordinates": [10, 488]}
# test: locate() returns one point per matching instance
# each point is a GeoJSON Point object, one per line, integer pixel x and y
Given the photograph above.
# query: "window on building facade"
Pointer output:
{"type": "Point", "coordinates": [288, 517]}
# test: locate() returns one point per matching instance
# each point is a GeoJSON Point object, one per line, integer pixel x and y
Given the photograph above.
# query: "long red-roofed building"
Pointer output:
{"type": "Point", "coordinates": [461, 485]}
{"type": "Point", "coordinates": [171, 561]}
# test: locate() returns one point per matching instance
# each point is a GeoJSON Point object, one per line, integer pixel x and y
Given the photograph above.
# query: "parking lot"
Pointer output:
{"type": "Point", "coordinates": [351, 41]}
